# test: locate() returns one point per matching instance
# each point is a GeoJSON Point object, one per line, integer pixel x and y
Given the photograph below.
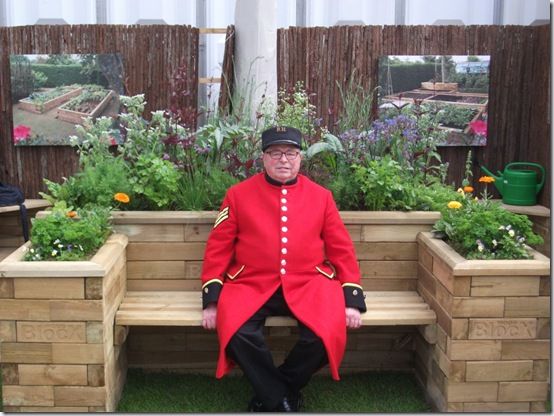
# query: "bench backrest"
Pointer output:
{"type": "Point", "coordinates": [166, 248]}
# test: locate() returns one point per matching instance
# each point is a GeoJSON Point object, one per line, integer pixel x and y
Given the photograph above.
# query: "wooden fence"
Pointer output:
{"type": "Point", "coordinates": [151, 56]}
{"type": "Point", "coordinates": [519, 106]}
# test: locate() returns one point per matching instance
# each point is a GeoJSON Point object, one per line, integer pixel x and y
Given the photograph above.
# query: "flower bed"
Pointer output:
{"type": "Point", "coordinates": [30, 105]}
{"type": "Point", "coordinates": [493, 340]}
{"type": "Point", "coordinates": [76, 117]}
{"type": "Point", "coordinates": [57, 327]}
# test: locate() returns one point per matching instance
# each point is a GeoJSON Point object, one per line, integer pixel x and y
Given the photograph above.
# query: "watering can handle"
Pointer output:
{"type": "Point", "coordinates": [536, 165]}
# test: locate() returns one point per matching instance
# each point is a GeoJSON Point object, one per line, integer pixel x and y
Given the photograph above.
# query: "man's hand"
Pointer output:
{"type": "Point", "coordinates": [209, 316]}
{"type": "Point", "coordinates": [353, 318]}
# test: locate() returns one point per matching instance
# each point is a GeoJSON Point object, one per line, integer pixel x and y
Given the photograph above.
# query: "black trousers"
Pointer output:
{"type": "Point", "coordinates": [249, 350]}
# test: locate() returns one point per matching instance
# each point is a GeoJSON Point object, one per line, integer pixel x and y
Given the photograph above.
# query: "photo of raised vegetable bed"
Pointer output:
{"type": "Point", "coordinates": [90, 103]}
{"type": "Point", "coordinates": [41, 84]}
{"type": "Point", "coordinates": [451, 89]}
{"type": "Point", "coordinates": [48, 98]}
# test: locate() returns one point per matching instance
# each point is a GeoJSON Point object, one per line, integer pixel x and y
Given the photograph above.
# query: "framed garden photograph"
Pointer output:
{"type": "Point", "coordinates": [51, 94]}
{"type": "Point", "coordinates": [453, 88]}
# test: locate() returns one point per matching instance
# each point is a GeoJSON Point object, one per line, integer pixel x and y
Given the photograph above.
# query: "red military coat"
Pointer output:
{"type": "Point", "coordinates": [268, 236]}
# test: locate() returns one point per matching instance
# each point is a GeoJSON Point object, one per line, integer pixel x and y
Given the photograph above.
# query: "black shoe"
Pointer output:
{"type": "Point", "coordinates": [296, 400]}
{"type": "Point", "coordinates": [255, 405]}
{"type": "Point", "coordinates": [284, 406]}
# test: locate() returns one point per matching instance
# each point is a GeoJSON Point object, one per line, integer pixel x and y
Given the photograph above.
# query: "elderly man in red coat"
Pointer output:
{"type": "Point", "coordinates": [279, 247]}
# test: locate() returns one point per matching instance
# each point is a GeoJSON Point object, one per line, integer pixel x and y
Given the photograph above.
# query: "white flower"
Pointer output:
{"type": "Point", "coordinates": [512, 233]}
{"type": "Point", "coordinates": [57, 241]}
{"type": "Point", "coordinates": [494, 243]}
{"type": "Point", "coordinates": [501, 227]}
{"type": "Point", "coordinates": [508, 227]}
{"type": "Point", "coordinates": [81, 247]}
{"type": "Point", "coordinates": [480, 245]}
{"type": "Point", "coordinates": [54, 252]}
{"type": "Point", "coordinates": [521, 239]}
{"type": "Point", "coordinates": [32, 250]}
{"type": "Point", "coordinates": [60, 245]}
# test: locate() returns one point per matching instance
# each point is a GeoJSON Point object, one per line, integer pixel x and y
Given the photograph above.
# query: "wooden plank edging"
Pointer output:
{"type": "Point", "coordinates": [97, 266]}
{"type": "Point", "coordinates": [538, 266]}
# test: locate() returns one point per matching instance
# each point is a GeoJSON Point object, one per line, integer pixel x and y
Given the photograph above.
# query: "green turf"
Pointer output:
{"type": "Point", "coordinates": [358, 393]}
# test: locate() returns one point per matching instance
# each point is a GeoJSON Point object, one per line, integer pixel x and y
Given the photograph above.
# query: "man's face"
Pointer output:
{"type": "Point", "coordinates": [282, 169]}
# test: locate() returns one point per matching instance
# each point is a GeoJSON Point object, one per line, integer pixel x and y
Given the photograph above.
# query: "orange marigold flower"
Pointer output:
{"type": "Point", "coordinates": [468, 189]}
{"type": "Point", "coordinates": [121, 197]}
{"type": "Point", "coordinates": [72, 214]}
{"type": "Point", "coordinates": [486, 179]}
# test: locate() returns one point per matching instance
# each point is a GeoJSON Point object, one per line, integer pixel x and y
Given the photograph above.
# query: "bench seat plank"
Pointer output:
{"type": "Point", "coordinates": [183, 308]}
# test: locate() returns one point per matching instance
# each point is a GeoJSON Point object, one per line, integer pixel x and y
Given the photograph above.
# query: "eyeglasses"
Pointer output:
{"type": "Point", "coordinates": [276, 155]}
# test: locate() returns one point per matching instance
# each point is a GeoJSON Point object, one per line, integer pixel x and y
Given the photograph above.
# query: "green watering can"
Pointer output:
{"type": "Point", "coordinates": [518, 186]}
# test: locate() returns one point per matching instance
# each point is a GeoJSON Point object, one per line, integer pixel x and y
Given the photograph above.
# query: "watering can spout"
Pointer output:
{"type": "Point", "coordinates": [498, 182]}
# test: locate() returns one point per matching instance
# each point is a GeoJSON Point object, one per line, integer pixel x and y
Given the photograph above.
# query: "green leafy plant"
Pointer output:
{"type": "Point", "coordinates": [482, 229]}
{"type": "Point", "coordinates": [385, 185]}
{"type": "Point", "coordinates": [92, 94]}
{"type": "Point", "coordinates": [357, 106]}
{"type": "Point", "coordinates": [294, 109]}
{"type": "Point", "coordinates": [102, 174]}
{"type": "Point", "coordinates": [203, 190]}
{"type": "Point", "coordinates": [454, 116]}
{"type": "Point", "coordinates": [65, 234]}
{"type": "Point", "coordinates": [156, 179]}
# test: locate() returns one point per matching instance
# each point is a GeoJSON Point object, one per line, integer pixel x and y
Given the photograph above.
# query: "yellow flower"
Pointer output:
{"type": "Point", "coordinates": [121, 197]}
{"type": "Point", "coordinates": [468, 189]}
{"type": "Point", "coordinates": [454, 205]}
{"type": "Point", "coordinates": [486, 179]}
{"type": "Point", "coordinates": [460, 191]}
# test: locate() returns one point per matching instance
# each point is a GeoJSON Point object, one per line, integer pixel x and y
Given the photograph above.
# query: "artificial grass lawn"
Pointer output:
{"type": "Point", "coordinates": [356, 393]}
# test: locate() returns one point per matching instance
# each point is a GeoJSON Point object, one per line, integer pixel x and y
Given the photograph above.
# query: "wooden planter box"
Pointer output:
{"type": "Point", "coordinates": [440, 86]}
{"type": "Point", "coordinates": [493, 339]}
{"type": "Point", "coordinates": [28, 105]}
{"type": "Point", "coordinates": [76, 117]}
{"type": "Point", "coordinates": [57, 332]}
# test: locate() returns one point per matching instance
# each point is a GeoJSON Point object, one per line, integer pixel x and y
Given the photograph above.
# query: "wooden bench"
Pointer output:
{"type": "Point", "coordinates": [184, 308]}
{"type": "Point", "coordinates": [159, 318]}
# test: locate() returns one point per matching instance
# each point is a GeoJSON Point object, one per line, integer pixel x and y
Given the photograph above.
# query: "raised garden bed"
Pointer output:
{"type": "Point", "coordinates": [57, 326]}
{"type": "Point", "coordinates": [39, 106]}
{"type": "Point", "coordinates": [493, 331]}
{"type": "Point", "coordinates": [489, 350]}
{"type": "Point", "coordinates": [83, 108]}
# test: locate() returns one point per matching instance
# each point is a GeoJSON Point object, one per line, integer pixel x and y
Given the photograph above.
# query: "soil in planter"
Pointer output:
{"type": "Point", "coordinates": [86, 107]}
{"type": "Point", "coordinates": [459, 99]}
